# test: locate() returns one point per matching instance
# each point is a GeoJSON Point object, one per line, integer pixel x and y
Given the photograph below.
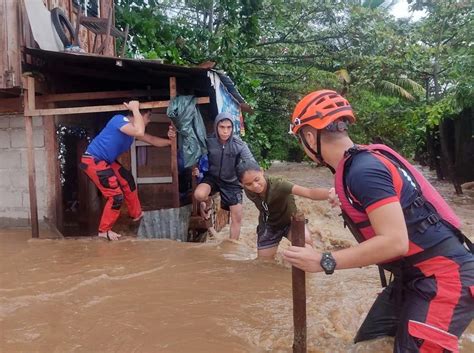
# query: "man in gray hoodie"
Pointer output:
{"type": "Point", "coordinates": [225, 151]}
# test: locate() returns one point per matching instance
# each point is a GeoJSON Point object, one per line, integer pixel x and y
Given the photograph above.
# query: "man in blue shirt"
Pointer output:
{"type": "Point", "coordinates": [113, 180]}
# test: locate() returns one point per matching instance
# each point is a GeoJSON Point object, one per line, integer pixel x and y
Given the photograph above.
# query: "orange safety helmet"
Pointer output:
{"type": "Point", "coordinates": [319, 109]}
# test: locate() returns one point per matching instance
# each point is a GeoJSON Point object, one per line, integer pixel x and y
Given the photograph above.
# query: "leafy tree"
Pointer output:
{"type": "Point", "coordinates": [279, 50]}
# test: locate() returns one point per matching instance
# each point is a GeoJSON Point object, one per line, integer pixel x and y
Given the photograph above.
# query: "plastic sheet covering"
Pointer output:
{"type": "Point", "coordinates": [185, 115]}
{"type": "Point", "coordinates": [171, 223]}
{"type": "Point", "coordinates": [42, 26]}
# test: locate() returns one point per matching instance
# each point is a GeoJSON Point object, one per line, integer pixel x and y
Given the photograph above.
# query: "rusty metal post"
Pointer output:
{"type": "Point", "coordinates": [299, 287]}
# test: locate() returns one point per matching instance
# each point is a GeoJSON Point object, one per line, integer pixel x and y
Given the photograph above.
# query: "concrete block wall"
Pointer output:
{"type": "Point", "coordinates": [14, 193]}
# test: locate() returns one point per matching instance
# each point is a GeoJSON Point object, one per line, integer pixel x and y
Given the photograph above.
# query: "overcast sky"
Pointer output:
{"type": "Point", "coordinates": [401, 10]}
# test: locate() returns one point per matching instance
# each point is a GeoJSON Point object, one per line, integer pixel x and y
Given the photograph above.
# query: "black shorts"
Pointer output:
{"type": "Point", "coordinates": [231, 194]}
{"type": "Point", "coordinates": [269, 237]}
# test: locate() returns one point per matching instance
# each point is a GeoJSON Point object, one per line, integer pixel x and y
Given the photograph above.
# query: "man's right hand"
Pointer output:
{"type": "Point", "coordinates": [195, 172]}
{"type": "Point", "coordinates": [132, 105]}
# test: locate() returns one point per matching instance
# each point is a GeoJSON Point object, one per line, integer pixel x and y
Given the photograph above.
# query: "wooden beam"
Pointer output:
{"type": "Point", "coordinates": [102, 108]}
{"type": "Point", "coordinates": [10, 22]}
{"type": "Point", "coordinates": [174, 171]}
{"type": "Point", "coordinates": [194, 202]}
{"type": "Point", "coordinates": [130, 74]}
{"type": "Point", "coordinates": [54, 197]}
{"type": "Point", "coordinates": [174, 152]}
{"type": "Point", "coordinates": [155, 180]}
{"type": "Point", "coordinates": [11, 105]}
{"type": "Point", "coordinates": [3, 44]}
{"type": "Point", "coordinates": [11, 91]}
{"type": "Point", "coordinates": [30, 82]}
{"type": "Point", "coordinates": [65, 97]}
{"type": "Point", "coordinates": [172, 87]}
{"type": "Point", "coordinates": [29, 100]}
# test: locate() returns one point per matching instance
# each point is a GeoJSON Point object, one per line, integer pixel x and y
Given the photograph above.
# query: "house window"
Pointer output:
{"type": "Point", "coordinates": [89, 7]}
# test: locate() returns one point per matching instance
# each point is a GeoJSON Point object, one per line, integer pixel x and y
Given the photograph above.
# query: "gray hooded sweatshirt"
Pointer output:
{"type": "Point", "coordinates": [224, 158]}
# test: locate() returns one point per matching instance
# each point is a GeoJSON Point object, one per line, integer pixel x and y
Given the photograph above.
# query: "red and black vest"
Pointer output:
{"type": "Point", "coordinates": [358, 221]}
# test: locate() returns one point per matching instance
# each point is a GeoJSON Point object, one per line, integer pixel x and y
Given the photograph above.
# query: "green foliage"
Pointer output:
{"type": "Point", "coordinates": [276, 51]}
{"type": "Point", "coordinates": [436, 112]}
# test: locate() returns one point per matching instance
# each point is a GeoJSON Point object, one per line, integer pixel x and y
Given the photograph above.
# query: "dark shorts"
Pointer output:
{"type": "Point", "coordinates": [429, 313]}
{"type": "Point", "coordinates": [231, 194]}
{"type": "Point", "coordinates": [269, 237]}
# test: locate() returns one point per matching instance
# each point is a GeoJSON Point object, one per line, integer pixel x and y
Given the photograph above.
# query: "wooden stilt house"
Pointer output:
{"type": "Point", "coordinates": [53, 101]}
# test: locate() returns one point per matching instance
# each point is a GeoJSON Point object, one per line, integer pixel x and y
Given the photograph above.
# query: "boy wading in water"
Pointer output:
{"type": "Point", "coordinates": [273, 197]}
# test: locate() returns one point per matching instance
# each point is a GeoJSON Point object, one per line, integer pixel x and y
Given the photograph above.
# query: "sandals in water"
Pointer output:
{"type": "Point", "coordinates": [107, 237]}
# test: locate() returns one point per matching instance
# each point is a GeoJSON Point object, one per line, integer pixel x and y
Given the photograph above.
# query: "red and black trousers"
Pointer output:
{"type": "Point", "coordinates": [427, 308]}
{"type": "Point", "coordinates": [116, 184]}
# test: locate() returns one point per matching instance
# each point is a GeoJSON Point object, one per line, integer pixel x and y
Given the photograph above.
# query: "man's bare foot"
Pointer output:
{"type": "Point", "coordinates": [109, 235]}
{"type": "Point", "coordinates": [205, 212]}
{"type": "Point", "coordinates": [136, 219]}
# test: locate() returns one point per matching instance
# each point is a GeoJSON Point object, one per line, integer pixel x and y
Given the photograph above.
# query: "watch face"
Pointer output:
{"type": "Point", "coordinates": [328, 263]}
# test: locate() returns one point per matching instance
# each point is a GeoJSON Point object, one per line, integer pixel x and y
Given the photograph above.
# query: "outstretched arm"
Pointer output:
{"type": "Point", "coordinates": [159, 141]}
{"type": "Point", "coordinates": [390, 241]}
{"type": "Point", "coordinates": [314, 194]}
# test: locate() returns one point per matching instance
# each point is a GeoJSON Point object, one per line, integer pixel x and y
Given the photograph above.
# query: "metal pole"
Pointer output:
{"type": "Point", "coordinates": [299, 287]}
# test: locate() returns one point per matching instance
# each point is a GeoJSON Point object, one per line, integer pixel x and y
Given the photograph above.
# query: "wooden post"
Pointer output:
{"type": "Point", "coordinates": [299, 287]}
{"type": "Point", "coordinates": [54, 198]}
{"type": "Point", "coordinates": [172, 87]}
{"type": "Point", "coordinates": [195, 206]}
{"type": "Point", "coordinates": [29, 100]}
{"type": "Point", "coordinates": [174, 153]}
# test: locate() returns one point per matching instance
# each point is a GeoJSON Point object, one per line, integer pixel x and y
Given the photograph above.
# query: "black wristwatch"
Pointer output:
{"type": "Point", "coordinates": [327, 263]}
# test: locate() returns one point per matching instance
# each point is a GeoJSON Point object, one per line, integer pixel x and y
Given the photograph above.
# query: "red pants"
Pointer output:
{"type": "Point", "coordinates": [115, 183]}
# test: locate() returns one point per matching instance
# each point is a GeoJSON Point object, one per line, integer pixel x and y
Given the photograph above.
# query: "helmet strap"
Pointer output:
{"type": "Point", "coordinates": [320, 156]}
{"type": "Point", "coordinates": [317, 154]}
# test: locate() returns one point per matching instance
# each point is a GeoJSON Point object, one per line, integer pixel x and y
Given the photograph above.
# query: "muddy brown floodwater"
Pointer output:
{"type": "Point", "coordinates": [89, 295]}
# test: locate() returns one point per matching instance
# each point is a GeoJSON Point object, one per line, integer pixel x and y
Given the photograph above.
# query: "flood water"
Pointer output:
{"type": "Point", "coordinates": [90, 295]}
